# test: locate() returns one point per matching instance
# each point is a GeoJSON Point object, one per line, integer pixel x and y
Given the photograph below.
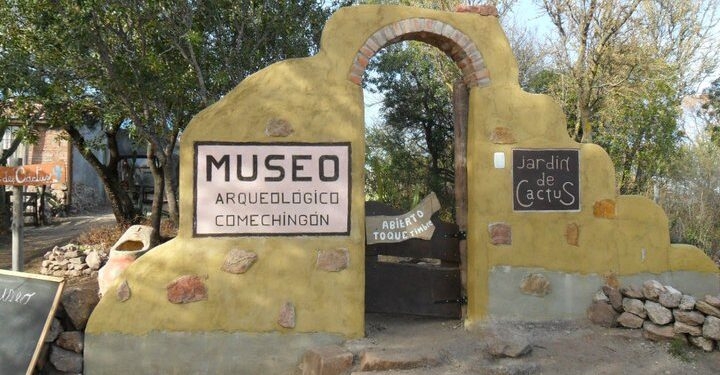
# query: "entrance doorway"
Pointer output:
{"type": "Point", "coordinates": [416, 276]}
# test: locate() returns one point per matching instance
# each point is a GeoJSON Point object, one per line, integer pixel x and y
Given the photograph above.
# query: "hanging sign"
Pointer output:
{"type": "Point", "coordinates": [413, 224]}
{"type": "Point", "coordinates": [33, 174]}
{"type": "Point", "coordinates": [272, 189]}
{"type": "Point", "coordinates": [546, 180]}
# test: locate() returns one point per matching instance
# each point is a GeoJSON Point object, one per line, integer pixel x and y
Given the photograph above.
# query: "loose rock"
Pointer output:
{"type": "Point", "coordinates": [79, 303]}
{"type": "Point", "coordinates": [71, 340]}
{"type": "Point", "coordinates": [702, 343]}
{"type": "Point", "coordinates": [66, 360]}
{"type": "Point", "coordinates": [658, 333]}
{"type": "Point", "coordinates": [707, 309]}
{"type": "Point", "coordinates": [713, 301]}
{"type": "Point", "coordinates": [692, 318]}
{"type": "Point", "coordinates": [652, 289]}
{"type": "Point", "coordinates": [681, 327]}
{"type": "Point", "coordinates": [657, 313]}
{"type": "Point", "coordinates": [670, 298]}
{"type": "Point", "coordinates": [687, 303]}
{"type": "Point", "coordinates": [634, 306]}
{"type": "Point", "coordinates": [614, 296]}
{"type": "Point", "coordinates": [602, 314]}
{"type": "Point", "coordinates": [711, 328]}
{"type": "Point", "coordinates": [630, 320]}
{"type": "Point", "coordinates": [632, 291]}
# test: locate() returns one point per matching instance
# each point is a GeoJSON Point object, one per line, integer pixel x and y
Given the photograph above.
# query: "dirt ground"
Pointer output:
{"type": "Point", "coordinates": [59, 232]}
{"type": "Point", "coordinates": [558, 347]}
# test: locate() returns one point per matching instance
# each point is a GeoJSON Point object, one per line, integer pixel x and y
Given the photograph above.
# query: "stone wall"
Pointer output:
{"type": "Point", "coordinates": [661, 311]}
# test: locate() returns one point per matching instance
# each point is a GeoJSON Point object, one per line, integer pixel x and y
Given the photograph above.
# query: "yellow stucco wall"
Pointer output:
{"type": "Point", "coordinates": [316, 97]}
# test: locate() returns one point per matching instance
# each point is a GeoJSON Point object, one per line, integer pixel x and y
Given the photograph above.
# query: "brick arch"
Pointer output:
{"type": "Point", "coordinates": [458, 46]}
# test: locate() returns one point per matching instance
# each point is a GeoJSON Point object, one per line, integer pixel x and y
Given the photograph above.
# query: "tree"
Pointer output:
{"type": "Point", "coordinates": [411, 153]}
{"type": "Point", "coordinates": [710, 110]}
{"type": "Point", "coordinates": [149, 66]}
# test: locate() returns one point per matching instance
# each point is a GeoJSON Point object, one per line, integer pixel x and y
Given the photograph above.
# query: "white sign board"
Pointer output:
{"type": "Point", "coordinates": [413, 224]}
{"type": "Point", "coordinates": [271, 189]}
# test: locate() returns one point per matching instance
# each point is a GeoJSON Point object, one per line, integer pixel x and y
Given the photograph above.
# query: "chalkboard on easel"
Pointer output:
{"type": "Point", "coordinates": [27, 307]}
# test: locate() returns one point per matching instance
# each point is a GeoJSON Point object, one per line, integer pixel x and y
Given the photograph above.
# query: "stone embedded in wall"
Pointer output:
{"type": "Point", "coordinates": [502, 136]}
{"type": "Point", "coordinates": [707, 309]}
{"type": "Point", "coordinates": [123, 291]}
{"type": "Point", "coordinates": [333, 260]}
{"type": "Point", "coordinates": [657, 313]}
{"type": "Point", "coordinates": [239, 261]}
{"type": "Point", "coordinates": [572, 234]}
{"type": "Point", "coordinates": [483, 10]}
{"type": "Point", "coordinates": [186, 289]}
{"type": "Point", "coordinates": [500, 234]}
{"type": "Point", "coordinates": [535, 284]}
{"type": "Point", "coordinates": [604, 209]}
{"type": "Point", "coordinates": [278, 128]}
{"type": "Point", "coordinates": [286, 318]}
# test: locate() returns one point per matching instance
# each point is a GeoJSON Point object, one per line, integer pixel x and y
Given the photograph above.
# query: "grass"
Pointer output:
{"type": "Point", "coordinates": [680, 349]}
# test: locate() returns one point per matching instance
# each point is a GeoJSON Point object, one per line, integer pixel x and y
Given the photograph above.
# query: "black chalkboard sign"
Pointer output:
{"type": "Point", "coordinates": [546, 180]}
{"type": "Point", "coordinates": [27, 306]}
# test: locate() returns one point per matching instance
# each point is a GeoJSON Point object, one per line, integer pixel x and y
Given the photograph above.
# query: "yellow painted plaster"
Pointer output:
{"type": "Point", "coordinates": [315, 96]}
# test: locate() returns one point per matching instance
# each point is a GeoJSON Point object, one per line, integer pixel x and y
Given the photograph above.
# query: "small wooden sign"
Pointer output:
{"type": "Point", "coordinates": [414, 224]}
{"type": "Point", "coordinates": [33, 174]}
{"type": "Point", "coordinates": [27, 306]}
{"type": "Point", "coordinates": [546, 180]}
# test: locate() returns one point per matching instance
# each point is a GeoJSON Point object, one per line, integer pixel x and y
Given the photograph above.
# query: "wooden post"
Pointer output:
{"type": "Point", "coordinates": [461, 100]}
{"type": "Point", "coordinates": [17, 223]}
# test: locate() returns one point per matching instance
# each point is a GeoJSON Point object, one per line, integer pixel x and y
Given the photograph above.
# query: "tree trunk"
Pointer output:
{"type": "Point", "coordinates": [120, 202]}
{"type": "Point", "coordinates": [171, 181]}
{"type": "Point", "coordinates": [158, 188]}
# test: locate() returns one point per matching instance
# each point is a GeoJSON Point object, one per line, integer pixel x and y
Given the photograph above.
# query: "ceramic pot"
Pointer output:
{"type": "Point", "coordinates": [132, 244]}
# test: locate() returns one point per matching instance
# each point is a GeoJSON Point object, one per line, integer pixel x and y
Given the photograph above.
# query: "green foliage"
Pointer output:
{"type": "Point", "coordinates": [690, 196]}
{"type": "Point", "coordinates": [710, 110]}
{"type": "Point", "coordinates": [680, 349]}
{"type": "Point", "coordinates": [411, 153]}
{"type": "Point", "coordinates": [640, 132]}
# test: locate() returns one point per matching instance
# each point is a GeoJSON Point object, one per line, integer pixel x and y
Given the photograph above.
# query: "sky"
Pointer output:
{"type": "Point", "coordinates": [524, 12]}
